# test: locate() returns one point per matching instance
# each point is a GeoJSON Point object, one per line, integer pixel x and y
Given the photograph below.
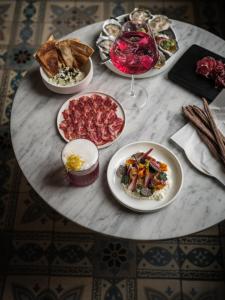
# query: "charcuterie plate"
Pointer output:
{"type": "Point", "coordinates": [94, 116]}
{"type": "Point", "coordinates": [184, 73]}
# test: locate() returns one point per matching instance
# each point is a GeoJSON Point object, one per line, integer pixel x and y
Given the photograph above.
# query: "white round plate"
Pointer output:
{"type": "Point", "coordinates": [120, 113]}
{"type": "Point", "coordinates": [150, 73]}
{"type": "Point", "coordinates": [161, 153]}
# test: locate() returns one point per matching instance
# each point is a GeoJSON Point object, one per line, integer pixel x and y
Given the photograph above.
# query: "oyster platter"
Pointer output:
{"type": "Point", "coordinates": [161, 27]}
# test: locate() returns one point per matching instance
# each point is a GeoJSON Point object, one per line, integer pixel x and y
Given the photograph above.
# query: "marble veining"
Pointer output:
{"type": "Point", "coordinates": [38, 147]}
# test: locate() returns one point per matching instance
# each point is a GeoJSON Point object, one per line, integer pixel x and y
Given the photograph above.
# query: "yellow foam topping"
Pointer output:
{"type": "Point", "coordinates": [74, 163]}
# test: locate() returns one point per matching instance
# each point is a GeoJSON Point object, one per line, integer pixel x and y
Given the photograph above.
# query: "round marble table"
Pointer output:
{"type": "Point", "coordinates": [38, 147]}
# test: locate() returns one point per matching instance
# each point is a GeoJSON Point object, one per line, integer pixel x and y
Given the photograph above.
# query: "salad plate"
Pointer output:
{"type": "Point", "coordinates": [161, 154]}
{"type": "Point", "coordinates": [95, 116]}
{"type": "Point", "coordinates": [106, 39]}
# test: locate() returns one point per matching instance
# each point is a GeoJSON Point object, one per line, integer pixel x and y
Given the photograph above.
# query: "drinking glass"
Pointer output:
{"type": "Point", "coordinates": [134, 52]}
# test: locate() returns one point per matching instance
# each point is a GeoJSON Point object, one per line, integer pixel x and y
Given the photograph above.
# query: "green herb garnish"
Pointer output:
{"type": "Point", "coordinates": [162, 176]}
{"type": "Point", "coordinates": [125, 179]}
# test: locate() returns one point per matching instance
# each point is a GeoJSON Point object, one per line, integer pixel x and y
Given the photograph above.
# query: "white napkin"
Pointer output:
{"type": "Point", "coordinates": [196, 151]}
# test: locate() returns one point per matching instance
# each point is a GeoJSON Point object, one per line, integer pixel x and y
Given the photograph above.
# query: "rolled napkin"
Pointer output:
{"type": "Point", "coordinates": [204, 141]}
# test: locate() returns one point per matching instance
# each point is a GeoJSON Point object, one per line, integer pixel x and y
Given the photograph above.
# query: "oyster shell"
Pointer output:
{"type": "Point", "coordinates": [104, 43]}
{"type": "Point", "coordinates": [139, 15]}
{"type": "Point", "coordinates": [112, 28]}
{"type": "Point", "coordinates": [131, 26]}
{"type": "Point", "coordinates": [161, 61]}
{"type": "Point", "coordinates": [159, 23]}
{"type": "Point", "coordinates": [160, 37]}
{"type": "Point", "coordinates": [168, 46]}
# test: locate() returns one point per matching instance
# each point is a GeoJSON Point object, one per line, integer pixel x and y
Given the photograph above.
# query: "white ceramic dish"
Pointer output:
{"type": "Point", "coordinates": [150, 73]}
{"type": "Point", "coordinates": [70, 89]}
{"type": "Point", "coordinates": [120, 113]}
{"type": "Point", "coordinates": [160, 152]}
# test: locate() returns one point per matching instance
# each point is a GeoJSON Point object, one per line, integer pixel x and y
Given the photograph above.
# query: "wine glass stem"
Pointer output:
{"type": "Point", "coordinates": [132, 93]}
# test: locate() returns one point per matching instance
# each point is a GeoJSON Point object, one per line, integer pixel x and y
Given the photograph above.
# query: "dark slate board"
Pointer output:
{"type": "Point", "coordinates": [183, 73]}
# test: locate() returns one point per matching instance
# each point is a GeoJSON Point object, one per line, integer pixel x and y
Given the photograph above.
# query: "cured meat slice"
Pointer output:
{"type": "Point", "coordinates": [110, 117]}
{"type": "Point", "coordinates": [92, 117]}
{"type": "Point", "coordinates": [209, 67]}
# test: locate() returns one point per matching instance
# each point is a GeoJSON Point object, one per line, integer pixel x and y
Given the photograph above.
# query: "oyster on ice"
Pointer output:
{"type": "Point", "coordinates": [139, 15]}
{"type": "Point", "coordinates": [168, 46]}
{"type": "Point", "coordinates": [104, 43]}
{"type": "Point", "coordinates": [131, 26]}
{"type": "Point", "coordinates": [112, 28]}
{"type": "Point", "coordinates": [160, 37]}
{"type": "Point", "coordinates": [159, 23]}
{"type": "Point", "coordinates": [161, 61]}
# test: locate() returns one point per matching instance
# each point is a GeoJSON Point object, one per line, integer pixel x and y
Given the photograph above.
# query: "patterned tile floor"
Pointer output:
{"type": "Point", "coordinates": [43, 255]}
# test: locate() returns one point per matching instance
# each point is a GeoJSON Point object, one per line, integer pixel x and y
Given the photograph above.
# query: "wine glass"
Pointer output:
{"type": "Point", "coordinates": [134, 52]}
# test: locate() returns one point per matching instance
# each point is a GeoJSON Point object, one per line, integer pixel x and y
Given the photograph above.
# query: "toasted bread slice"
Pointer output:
{"type": "Point", "coordinates": [51, 38]}
{"type": "Point", "coordinates": [64, 48]}
{"type": "Point", "coordinates": [75, 39]}
{"type": "Point", "coordinates": [47, 56]}
{"type": "Point", "coordinates": [80, 58]}
{"type": "Point", "coordinates": [62, 63]}
{"type": "Point", "coordinates": [81, 48]}
{"type": "Point", "coordinates": [43, 67]}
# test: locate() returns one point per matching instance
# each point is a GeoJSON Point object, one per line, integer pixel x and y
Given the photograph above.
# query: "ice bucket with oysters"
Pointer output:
{"type": "Point", "coordinates": [161, 28]}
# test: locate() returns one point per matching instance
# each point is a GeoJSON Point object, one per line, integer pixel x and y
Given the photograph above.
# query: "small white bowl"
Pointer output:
{"type": "Point", "coordinates": [70, 89]}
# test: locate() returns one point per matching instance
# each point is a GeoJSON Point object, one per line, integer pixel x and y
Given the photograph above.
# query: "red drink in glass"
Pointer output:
{"type": "Point", "coordinates": [134, 52]}
{"type": "Point", "coordinates": [84, 178]}
{"type": "Point", "coordinates": [81, 160]}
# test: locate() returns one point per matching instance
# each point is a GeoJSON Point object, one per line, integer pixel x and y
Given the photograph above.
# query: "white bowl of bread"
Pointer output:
{"type": "Point", "coordinates": [65, 66]}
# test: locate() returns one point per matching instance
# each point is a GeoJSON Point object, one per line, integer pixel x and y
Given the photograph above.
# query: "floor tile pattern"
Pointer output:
{"type": "Point", "coordinates": [45, 256]}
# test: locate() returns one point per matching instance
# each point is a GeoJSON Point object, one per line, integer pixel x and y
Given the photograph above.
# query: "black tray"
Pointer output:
{"type": "Point", "coordinates": [183, 73]}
